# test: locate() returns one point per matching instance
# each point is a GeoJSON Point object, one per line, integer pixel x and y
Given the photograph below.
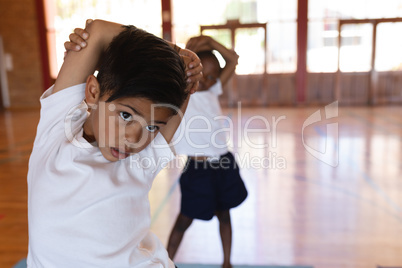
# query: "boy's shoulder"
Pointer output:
{"type": "Point", "coordinates": [58, 108]}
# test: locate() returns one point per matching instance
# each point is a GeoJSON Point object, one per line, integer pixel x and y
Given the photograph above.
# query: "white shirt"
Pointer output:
{"type": "Point", "coordinates": [84, 211]}
{"type": "Point", "coordinates": [202, 131]}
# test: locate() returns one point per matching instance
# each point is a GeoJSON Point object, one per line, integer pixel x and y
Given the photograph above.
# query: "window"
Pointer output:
{"type": "Point", "coordinates": [356, 47]}
{"type": "Point", "coordinates": [282, 34]}
{"type": "Point", "coordinates": [322, 53]}
{"type": "Point", "coordinates": [249, 43]}
{"type": "Point", "coordinates": [389, 47]}
{"type": "Point", "coordinates": [247, 39]}
{"type": "Point", "coordinates": [65, 15]}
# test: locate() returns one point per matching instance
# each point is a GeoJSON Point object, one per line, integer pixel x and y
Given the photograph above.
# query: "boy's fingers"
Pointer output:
{"type": "Point", "coordinates": [81, 33]}
{"type": "Point", "coordinates": [76, 39]}
{"type": "Point", "coordinates": [194, 87]}
{"type": "Point", "coordinates": [194, 71]}
{"type": "Point", "coordinates": [194, 79]}
{"type": "Point", "coordinates": [70, 46]}
{"type": "Point", "coordinates": [188, 53]}
{"type": "Point", "coordinates": [186, 60]}
{"type": "Point", "coordinates": [195, 62]}
{"type": "Point", "coordinates": [88, 21]}
{"type": "Point", "coordinates": [194, 58]}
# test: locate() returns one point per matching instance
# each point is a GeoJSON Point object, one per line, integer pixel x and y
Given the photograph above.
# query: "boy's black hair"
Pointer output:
{"type": "Point", "coordinates": [139, 64]}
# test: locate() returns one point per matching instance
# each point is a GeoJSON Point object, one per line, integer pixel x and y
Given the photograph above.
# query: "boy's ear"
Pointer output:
{"type": "Point", "coordinates": [92, 91]}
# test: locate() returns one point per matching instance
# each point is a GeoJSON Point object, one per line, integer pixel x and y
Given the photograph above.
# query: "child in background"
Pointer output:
{"type": "Point", "coordinates": [210, 183]}
{"type": "Point", "coordinates": [87, 199]}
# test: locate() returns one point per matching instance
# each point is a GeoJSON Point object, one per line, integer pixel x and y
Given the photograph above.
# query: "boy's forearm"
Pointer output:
{"type": "Point", "coordinates": [107, 31]}
{"type": "Point", "coordinates": [230, 57]}
{"type": "Point", "coordinates": [78, 66]}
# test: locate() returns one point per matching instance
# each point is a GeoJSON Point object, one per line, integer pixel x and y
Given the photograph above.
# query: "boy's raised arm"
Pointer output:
{"type": "Point", "coordinates": [203, 42]}
{"type": "Point", "coordinates": [79, 65]}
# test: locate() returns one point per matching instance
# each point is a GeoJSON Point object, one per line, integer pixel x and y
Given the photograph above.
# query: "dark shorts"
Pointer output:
{"type": "Point", "coordinates": [207, 187]}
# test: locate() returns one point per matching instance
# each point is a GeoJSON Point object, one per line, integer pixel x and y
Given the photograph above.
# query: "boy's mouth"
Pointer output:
{"type": "Point", "coordinates": [119, 154]}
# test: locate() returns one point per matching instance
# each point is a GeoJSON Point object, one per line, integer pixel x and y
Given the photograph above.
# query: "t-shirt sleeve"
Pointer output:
{"type": "Point", "coordinates": [56, 107]}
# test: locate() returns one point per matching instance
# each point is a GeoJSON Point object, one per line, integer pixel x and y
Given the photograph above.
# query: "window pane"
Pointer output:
{"type": "Point", "coordinates": [389, 47]}
{"type": "Point", "coordinates": [282, 45]}
{"type": "Point", "coordinates": [69, 14]}
{"type": "Point", "coordinates": [249, 45]}
{"type": "Point", "coordinates": [187, 24]}
{"type": "Point", "coordinates": [205, 14]}
{"type": "Point", "coordinates": [322, 51]}
{"type": "Point", "coordinates": [356, 45]}
{"type": "Point", "coordinates": [322, 32]}
{"type": "Point", "coordinates": [223, 36]}
{"type": "Point", "coordinates": [356, 9]}
{"type": "Point", "coordinates": [274, 10]}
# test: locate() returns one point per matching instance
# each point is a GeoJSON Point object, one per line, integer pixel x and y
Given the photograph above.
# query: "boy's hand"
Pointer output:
{"type": "Point", "coordinates": [193, 68]}
{"type": "Point", "coordinates": [207, 43]}
{"type": "Point", "coordinates": [200, 43]}
{"type": "Point", "coordinates": [77, 39]}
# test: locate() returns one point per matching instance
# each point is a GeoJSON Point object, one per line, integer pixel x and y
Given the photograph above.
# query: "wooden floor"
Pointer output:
{"type": "Point", "coordinates": [327, 195]}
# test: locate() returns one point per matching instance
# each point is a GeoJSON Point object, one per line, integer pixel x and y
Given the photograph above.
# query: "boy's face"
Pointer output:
{"type": "Point", "coordinates": [211, 71]}
{"type": "Point", "coordinates": [124, 126]}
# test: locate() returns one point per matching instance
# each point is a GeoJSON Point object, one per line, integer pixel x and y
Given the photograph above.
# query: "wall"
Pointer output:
{"type": "Point", "coordinates": [280, 89]}
{"type": "Point", "coordinates": [18, 26]}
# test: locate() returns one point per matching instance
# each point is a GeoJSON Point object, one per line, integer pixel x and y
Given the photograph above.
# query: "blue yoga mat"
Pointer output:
{"type": "Point", "coordinates": [21, 264]}
{"type": "Point", "coordinates": [179, 265]}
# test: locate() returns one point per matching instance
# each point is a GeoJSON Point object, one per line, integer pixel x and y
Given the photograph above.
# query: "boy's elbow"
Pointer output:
{"type": "Point", "coordinates": [102, 32]}
{"type": "Point", "coordinates": [235, 58]}
{"type": "Point", "coordinates": [95, 27]}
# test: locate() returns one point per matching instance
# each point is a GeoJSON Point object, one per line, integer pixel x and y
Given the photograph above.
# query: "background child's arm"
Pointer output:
{"type": "Point", "coordinates": [79, 65]}
{"type": "Point", "coordinates": [203, 42]}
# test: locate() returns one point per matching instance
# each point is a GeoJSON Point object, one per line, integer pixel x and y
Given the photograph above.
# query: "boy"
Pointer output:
{"type": "Point", "coordinates": [210, 183]}
{"type": "Point", "coordinates": [87, 204]}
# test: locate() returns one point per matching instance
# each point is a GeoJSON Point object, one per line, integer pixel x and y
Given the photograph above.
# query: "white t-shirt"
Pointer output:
{"type": "Point", "coordinates": [84, 211]}
{"type": "Point", "coordinates": [202, 131]}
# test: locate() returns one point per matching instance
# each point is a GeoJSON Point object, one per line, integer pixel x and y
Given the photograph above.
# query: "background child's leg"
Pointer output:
{"type": "Point", "coordinates": [225, 228]}
{"type": "Point", "coordinates": [181, 225]}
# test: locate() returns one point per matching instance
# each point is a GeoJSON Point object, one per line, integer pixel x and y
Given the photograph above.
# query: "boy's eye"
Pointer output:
{"type": "Point", "coordinates": [152, 128]}
{"type": "Point", "coordinates": [126, 116]}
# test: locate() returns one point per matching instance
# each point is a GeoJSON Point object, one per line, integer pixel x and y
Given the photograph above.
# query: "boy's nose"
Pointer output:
{"type": "Point", "coordinates": [133, 134]}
